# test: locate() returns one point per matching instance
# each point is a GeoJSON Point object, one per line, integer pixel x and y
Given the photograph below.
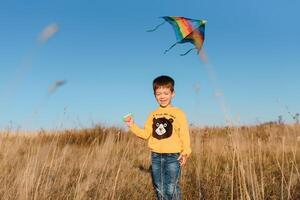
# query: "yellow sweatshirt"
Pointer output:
{"type": "Point", "coordinates": [167, 131]}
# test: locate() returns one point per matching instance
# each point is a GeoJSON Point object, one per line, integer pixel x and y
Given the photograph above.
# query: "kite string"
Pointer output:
{"type": "Point", "coordinates": [170, 48]}
{"type": "Point", "coordinates": [218, 93]}
{"type": "Point", "coordinates": [156, 27]}
{"type": "Point", "coordinates": [187, 52]}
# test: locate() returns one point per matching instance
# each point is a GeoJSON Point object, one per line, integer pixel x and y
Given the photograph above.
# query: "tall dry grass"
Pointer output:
{"type": "Point", "coordinates": [259, 162]}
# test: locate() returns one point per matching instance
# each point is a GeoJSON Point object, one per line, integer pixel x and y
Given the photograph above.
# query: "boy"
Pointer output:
{"type": "Point", "coordinates": [166, 130]}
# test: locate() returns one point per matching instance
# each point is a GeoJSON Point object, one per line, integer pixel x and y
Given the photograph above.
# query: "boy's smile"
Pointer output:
{"type": "Point", "coordinates": [164, 96]}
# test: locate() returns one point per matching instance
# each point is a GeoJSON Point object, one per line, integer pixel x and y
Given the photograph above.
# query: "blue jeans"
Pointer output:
{"type": "Point", "coordinates": [166, 175]}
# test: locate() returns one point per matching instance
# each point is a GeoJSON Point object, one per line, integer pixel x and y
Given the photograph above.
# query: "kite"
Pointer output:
{"type": "Point", "coordinates": [186, 30]}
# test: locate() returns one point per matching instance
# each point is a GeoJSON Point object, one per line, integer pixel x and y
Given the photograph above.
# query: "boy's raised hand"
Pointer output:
{"type": "Point", "coordinates": [128, 119]}
{"type": "Point", "coordinates": [182, 159]}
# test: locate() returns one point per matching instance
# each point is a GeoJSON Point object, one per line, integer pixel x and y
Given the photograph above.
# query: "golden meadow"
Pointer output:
{"type": "Point", "coordinates": [255, 162]}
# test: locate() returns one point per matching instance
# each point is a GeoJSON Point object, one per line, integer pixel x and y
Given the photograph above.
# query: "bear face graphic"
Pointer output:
{"type": "Point", "coordinates": [162, 128]}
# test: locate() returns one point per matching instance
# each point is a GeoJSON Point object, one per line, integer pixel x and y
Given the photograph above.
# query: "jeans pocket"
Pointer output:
{"type": "Point", "coordinates": [173, 155]}
{"type": "Point", "coordinates": [155, 155]}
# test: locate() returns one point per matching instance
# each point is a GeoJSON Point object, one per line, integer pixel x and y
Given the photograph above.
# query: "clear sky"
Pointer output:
{"type": "Point", "coordinates": [108, 59]}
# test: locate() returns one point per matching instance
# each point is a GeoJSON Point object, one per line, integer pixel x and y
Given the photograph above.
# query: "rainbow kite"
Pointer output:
{"type": "Point", "coordinates": [186, 30]}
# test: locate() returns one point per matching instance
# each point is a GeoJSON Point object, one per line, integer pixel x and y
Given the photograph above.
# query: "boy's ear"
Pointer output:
{"type": "Point", "coordinates": [173, 94]}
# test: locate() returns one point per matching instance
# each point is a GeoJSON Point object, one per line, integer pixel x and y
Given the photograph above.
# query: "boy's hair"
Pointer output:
{"type": "Point", "coordinates": [163, 81]}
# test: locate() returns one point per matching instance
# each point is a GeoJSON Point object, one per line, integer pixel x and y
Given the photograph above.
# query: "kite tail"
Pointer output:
{"type": "Point", "coordinates": [156, 27]}
{"type": "Point", "coordinates": [188, 52]}
{"type": "Point", "coordinates": [170, 48]}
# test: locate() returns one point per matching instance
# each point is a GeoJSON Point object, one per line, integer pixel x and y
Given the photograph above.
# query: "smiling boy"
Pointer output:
{"type": "Point", "coordinates": [167, 132]}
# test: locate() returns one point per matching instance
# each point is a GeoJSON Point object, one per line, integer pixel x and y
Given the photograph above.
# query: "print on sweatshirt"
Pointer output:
{"type": "Point", "coordinates": [162, 128]}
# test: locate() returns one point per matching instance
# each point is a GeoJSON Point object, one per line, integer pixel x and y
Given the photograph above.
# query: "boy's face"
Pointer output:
{"type": "Point", "coordinates": [163, 96]}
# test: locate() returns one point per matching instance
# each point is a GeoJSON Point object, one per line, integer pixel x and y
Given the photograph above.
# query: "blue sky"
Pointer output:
{"type": "Point", "coordinates": [108, 59]}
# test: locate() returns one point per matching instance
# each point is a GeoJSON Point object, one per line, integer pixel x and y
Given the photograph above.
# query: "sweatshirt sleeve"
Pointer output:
{"type": "Point", "coordinates": [143, 133]}
{"type": "Point", "coordinates": [185, 135]}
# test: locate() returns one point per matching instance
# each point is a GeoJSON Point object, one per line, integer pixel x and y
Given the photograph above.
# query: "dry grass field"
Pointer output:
{"type": "Point", "coordinates": [258, 162]}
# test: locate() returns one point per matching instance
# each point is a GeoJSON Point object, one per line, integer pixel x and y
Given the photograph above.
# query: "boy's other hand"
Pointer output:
{"type": "Point", "coordinates": [182, 159]}
{"type": "Point", "coordinates": [129, 121]}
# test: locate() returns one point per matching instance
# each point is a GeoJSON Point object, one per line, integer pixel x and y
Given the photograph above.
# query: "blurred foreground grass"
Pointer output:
{"type": "Point", "coordinates": [258, 162]}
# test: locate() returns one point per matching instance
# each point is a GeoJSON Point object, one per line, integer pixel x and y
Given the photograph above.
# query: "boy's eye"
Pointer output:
{"type": "Point", "coordinates": [165, 125]}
